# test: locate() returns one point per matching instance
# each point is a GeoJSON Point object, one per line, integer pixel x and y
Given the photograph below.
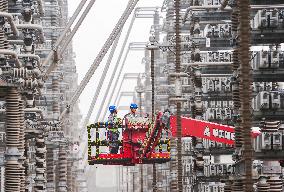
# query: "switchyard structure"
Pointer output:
{"type": "Point", "coordinates": [212, 63]}
{"type": "Point", "coordinates": [36, 148]}
{"type": "Point", "coordinates": [230, 55]}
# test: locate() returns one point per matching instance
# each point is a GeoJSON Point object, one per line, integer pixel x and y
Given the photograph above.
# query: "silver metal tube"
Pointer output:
{"type": "Point", "coordinates": [215, 22]}
{"type": "Point", "coordinates": [207, 7]}
{"type": "Point", "coordinates": [13, 54]}
{"type": "Point", "coordinates": [255, 7]}
{"type": "Point", "coordinates": [216, 75]}
{"type": "Point", "coordinates": [178, 74]}
{"type": "Point", "coordinates": [17, 42]}
{"type": "Point", "coordinates": [11, 22]}
{"type": "Point", "coordinates": [147, 8]}
{"type": "Point", "coordinates": [276, 6]}
{"type": "Point", "coordinates": [34, 27]}
{"type": "Point", "coordinates": [207, 64]}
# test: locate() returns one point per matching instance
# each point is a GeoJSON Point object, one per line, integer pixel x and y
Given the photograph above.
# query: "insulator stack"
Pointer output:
{"type": "Point", "coordinates": [12, 118]}
{"type": "Point", "coordinates": [270, 126]}
{"type": "Point", "coordinates": [170, 17]}
{"type": "Point", "coordinates": [27, 161]}
{"type": "Point", "coordinates": [239, 140]}
{"type": "Point", "coordinates": [4, 5]}
{"type": "Point", "coordinates": [74, 183]}
{"type": "Point", "coordinates": [238, 185]}
{"type": "Point", "coordinates": [12, 177]}
{"type": "Point", "coordinates": [276, 184]}
{"type": "Point", "coordinates": [281, 127]}
{"type": "Point", "coordinates": [262, 185]}
{"type": "Point", "coordinates": [228, 186]}
{"type": "Point", "coordinates": [3, 41]}
{"type": "Point", "coordinates": [235, 87]}
{"type": "Point", "coordinates": [235, 21]}
{"type": "Point", "coordinates": [245, 89]}
{"type": "Point", "coordinates": [62, 167]}
{"type": "Point", "coordinates": [12, 167]}
{"type": "Point", "coordinates": [55, 91]}
{"type": "Point", "coordinates": [22, 128]}
{"type": "Point", "coordinates": [40, 181]}
{"type": "Point", "coordinates": [56, 163]}
{"type": "Point", "coordinates": [69, 175]}
{"type": "Point", "coordinates": [236, 97]}
{"type": "Point", "coordinates": [177, 22]}
{"type": "Point", "coordinates": [50, 169]}
{"type": "Point", "coordinates": [22, 146]}
{"type": "Point", "coordinates": [173, 165]}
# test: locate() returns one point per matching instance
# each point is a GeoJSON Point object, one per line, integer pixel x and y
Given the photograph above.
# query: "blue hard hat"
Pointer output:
{"type": "Point", "coordinates": [112, 108]}
{"type": "Point", "coordinates": [133, 106]}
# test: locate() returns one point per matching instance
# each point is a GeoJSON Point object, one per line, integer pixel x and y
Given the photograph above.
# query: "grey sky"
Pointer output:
{"type": "Point", "coordinates": [88, 42]}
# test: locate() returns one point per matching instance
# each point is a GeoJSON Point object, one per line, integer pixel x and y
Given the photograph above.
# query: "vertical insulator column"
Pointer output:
{"type": "Point", "coordinates": [197, 114]}
{"type": "Point", "coordinates": [235, 86]}
{"type": "Point", "coordinates": [246, 90]}
{"type": "Point", "coordinates": [170, 60]}
{"type": "Point", "coordinates": [22, 146]}
{"type": "Point", "coordinates": [69, 175]}
{"type": "Point", "coordinates": [3, 41]}
{"type": "Point", "coordinates": [169, 20]}
{"type": "Point", "coordinates": [62, 168]}
{"type": "Point", "coordinates": [55, 91]}
{"type": "Point", "coordinates": [154, 184]}
{"type": "Point", "coordinates": [26, 163]}
{"type": "Point", "coordinates": [173, 184]}
{"type": "Point", "coordinates": [50, 172]}
{"type": "Point", "coordinates": [74, 183]}
{"type": "Point", "coordinates": [57, 171]}
{"type": "Point", "coordinates": [178, 104]}
{"type": "Point", "coordinates": [12, 166]}
{"type": "Point", "coordinates": [40, 182]}
{"type": "Point", "coordinates": [238, 184]}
